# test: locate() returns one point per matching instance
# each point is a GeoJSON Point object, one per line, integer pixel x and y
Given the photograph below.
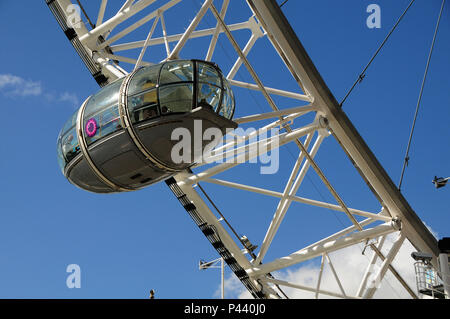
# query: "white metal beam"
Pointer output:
{"type": "Point", "coordinates": [319, 280]}
{"type": "Point", "coordinates": [212, 44]}
{"type": "Point", "coordinates": [384, 267]}
{"type": "Point", "coordinates": [307, 201]}
{"type": "Point", "coordinates": [90, 38]}
{"type": "Point", "coordinates": [306, 288]}
{"type": "Point", "coordinates": [298, 62]}
{"type": "Point", "coordinates": [164, 31]}
{"type": "Point", "coordinates": [285, 202]}
{"type": "Point", "coordinates": [333, 270]}
{"type": "Point", "coordinates": [251, 42]}
{"type": "Point", "coordinates": [126, 5]}
{"type": "Point", "coordinates": [369, 269]}
{"type": "Point", "coordinates": [299, 110]}
{"type": "Point", "coordinates": [176, 51]}
{"type": "Point", "coordinates": [101, 12]}
{"type": "Point", "coordinates": [287, 45]}
{"type": "Point", "coordinates": [262, 148]}
{"type": "Point", "coordinates": [211, 219]}
{"type": "Point", "coordinates": [136, 25]}
{"type": "Point", "coordinates": [297, 96]}
{"type": "Point", "coordinates": [176, 37]}
{"type": "Point", "coordinates": [329, 246]}
{"type": "Point", "coordinates": [144, 48]}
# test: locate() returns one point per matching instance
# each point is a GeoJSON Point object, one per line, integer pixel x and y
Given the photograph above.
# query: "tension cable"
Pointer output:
{"type": "Point", "coordinates": [363, 73]}
{"type": "Point", "coordinates": [406, 160]}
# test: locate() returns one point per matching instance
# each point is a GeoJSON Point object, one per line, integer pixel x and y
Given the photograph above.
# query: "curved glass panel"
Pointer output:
{"type": "Point", "coordinates": [144, 79]}
{"type": "Point", "coordinates": [228, 103]}
{"type": "Point", "coordinates": [176, 71]}
{"type": "Point", "coordinates": [208, 74]}
{"type": "Point", "coordinates": [71, 122]}
{"type": "Point", "coordinates": [110, 121]}
{"type": "Point", "coordinates": [60, 157]}
{"type": "Point", "coordinates": [101, 114]}
{"type": "Point", "coordinates": [67, 145]}
{"type": "Point", "coordinates": [101, 124]}
{"type": "Point", "coordinates": [176, 98]}
{"type": "Point", "coordinates": [209, 96]}
{"type": "Point", "coordinates": [105, 97]}
{"type": "Point", "coordinates": [143, 106]}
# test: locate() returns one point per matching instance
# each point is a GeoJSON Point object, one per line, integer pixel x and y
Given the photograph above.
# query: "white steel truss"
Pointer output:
{"type": "Point", "coordinates": [99, 48]}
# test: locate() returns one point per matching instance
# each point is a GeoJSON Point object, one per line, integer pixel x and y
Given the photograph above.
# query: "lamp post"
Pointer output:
{"type": "Point", "coordinates": [202, 265]}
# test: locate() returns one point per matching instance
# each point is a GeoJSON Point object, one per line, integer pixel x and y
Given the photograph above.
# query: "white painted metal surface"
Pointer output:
{"type": "Point", "coordinates": [444, 267]}
{"type": "Point", "coordinates": [265, 23]}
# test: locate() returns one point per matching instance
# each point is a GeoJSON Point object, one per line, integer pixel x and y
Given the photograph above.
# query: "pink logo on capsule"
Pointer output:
{"type": "Point", "coordinates": [91, 127]}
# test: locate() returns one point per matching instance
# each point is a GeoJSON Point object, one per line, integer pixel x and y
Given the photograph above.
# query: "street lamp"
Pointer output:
{"type": "Point", "coordinates": [440, 181]}
{"type": "Point", "coordinates": [202, 265]}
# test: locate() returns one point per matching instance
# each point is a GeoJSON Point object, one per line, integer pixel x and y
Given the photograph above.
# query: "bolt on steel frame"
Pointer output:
{"type": "Point", "coordinates": [99, 48]}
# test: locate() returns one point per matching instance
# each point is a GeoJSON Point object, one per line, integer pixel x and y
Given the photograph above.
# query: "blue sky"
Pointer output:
{"type": "Point", "coordinates": [127, 244]}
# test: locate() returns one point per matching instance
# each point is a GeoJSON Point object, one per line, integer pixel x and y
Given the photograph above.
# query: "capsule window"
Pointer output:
{"type": "Point", "coordinates": [105, 97]}
{"type": "Point", "coordinates": [101, 124]}
{"type": "Point", "coordinates": [109, 121]}
{"type": "Point", "coordinates": [226, 105]}
{"type": "Point", "coordinates": [227, 108]}
{"type": "Point", "coordinates": [143, 106]}
{"type": "Point", "coordinates": [144, 79]}
{"type": "Point", "coordinates": [101, 114]}
{"type": "Point", "coordinates": [60, 157]}
{"type": "Point", "coordinates": [176, 71]}
{"type": "Point", "coordinates": [70, 123]}
{"type": "Point", "coordinates": [69, 145]}
{"type": "Point", "coordinates": [209, 96]}
{"type": "Point", "coordinates": [208, 74]}
{"type": "Point", "coordinates": [176, 98]}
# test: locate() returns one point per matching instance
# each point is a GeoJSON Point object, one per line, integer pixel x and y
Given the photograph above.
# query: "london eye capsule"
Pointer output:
{"type": "Point", "coordinates": [120, 139]}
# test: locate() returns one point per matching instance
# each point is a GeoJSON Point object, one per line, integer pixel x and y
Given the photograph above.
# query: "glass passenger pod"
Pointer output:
{"type": "Point", "coordinates": [158, 99]}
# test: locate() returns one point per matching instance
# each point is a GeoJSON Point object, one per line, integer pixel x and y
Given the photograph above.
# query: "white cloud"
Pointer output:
{"type": "Point", "coordinates": [233, 289]}
{"type": "Point", "coordinates": [70, 98]}
{"type": "Point", "coordinates": [15, 86]}
{"type": "Point", "coordinates": [8, 79]}
{"type": "Point", "coordinates": [350, 265]}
